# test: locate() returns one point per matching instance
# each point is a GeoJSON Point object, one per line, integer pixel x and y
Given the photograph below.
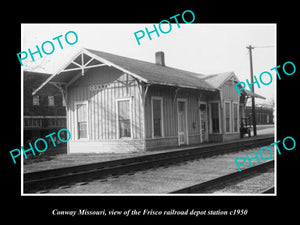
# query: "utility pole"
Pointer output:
{"type": "Point", "coordinates": [253, 99]}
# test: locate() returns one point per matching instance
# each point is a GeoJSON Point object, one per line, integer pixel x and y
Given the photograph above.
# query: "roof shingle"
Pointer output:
{"type": "Point", "coordinates": [157, 74]}
{"type": "Point", "coordinates": [149, 72]}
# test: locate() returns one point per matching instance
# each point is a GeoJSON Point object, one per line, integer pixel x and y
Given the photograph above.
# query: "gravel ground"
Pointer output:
{"type": "Point", "coordinates": [165, 179]}
{"type": "Point", "coordinates": [253, 185]}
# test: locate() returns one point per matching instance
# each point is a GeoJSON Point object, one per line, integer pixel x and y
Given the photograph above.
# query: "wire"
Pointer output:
{"type": "Point", "coordinates": [267, 46]}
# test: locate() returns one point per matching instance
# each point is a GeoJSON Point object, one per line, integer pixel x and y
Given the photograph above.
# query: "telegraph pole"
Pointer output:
{"type": "Point", "coordinates": [253, 99]}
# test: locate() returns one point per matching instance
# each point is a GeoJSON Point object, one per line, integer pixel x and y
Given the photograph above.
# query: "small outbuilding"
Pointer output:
{"type": "Point", "coordinates": [120, 104]}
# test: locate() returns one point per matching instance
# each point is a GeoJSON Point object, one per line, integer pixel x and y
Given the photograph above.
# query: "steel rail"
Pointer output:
{"type": "Point", "coordinates": [223, 181]}
{"type": "Point", "coordinates": [58, 177]}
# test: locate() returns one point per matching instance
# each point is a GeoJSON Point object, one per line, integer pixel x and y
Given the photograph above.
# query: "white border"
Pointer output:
{"type": "Point", "coordinates": [275, 116]}
{"type": "Point", "coordinates": [22, 116]}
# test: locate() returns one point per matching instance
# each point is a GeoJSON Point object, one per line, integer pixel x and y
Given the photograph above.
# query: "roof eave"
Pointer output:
{"type": "Point", "coordinates": [183, 86]}
{"type": "Point", "coordinates": [251, 94]}
{"type": "Point", "coordinates": [102, 60]}
{"type": "Point", "coordinates": [114, 65]}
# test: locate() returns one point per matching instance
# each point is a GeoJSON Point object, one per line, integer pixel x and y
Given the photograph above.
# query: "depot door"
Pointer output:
{"type": "Point", "coordinates": [203, 122]}
{"type": "Point", "coordinates": [182, 122]}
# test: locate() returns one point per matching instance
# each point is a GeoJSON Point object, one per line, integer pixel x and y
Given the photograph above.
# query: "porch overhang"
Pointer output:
{"type": "Point", "coordinates": [251, 94]}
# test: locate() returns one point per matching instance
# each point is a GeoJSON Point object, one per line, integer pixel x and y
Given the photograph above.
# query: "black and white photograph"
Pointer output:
{"type": "Point", "coordinates": [160, 119]}
{"type": "Point", "coordinates": [157, 116]}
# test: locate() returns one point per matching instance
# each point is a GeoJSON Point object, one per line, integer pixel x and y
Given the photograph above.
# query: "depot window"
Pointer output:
{"type": "Point", "coordinates": [227, 117]}
{"type": "Point", "coordinates": [214, 117]}
{"type": "Point", "coordinates": [82, 120]}
{"type": "Point", "coordinates": [235, 117]}
{"type": "Point", "coordinates": [124, 118]}
{"type": "Point", "coordinates": [157, 117]}
{"type": "Point", "coordinates": [50, 100]}
{"type": "Point", "coordinates": [36, 100]}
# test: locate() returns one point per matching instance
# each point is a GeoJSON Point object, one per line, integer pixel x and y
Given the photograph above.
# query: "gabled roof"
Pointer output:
{"type": "Point", "coordinates": [217, 80]}
{"type": "Point", "coordinates": [156, 74]}
{"type": "Point", "coordinates": [147, 72]}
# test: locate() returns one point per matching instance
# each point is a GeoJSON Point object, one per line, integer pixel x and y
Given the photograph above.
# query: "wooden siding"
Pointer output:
{"type": "Point", "coordinates": [102, 112]}
{"type": "Point", "coordinates": [102, 115]}
{"type": "Point", "coordinates": [170, 113]}
{"type": "Point", "coordinates": [229, 92]}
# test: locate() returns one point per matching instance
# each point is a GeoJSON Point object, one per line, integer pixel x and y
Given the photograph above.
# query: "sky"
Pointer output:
{"type": "Point", "coordinates": [200, 48]}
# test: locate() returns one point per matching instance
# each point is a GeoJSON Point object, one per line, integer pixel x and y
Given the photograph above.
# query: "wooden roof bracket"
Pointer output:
{"type": "Point", "coordinates": [200, 95]}
{"type": "Point", "coordinates": [143, 89]}
{"type": "Point", "coordinates": [175, 95]}
{"type": "Point", "coordinates": [63, 90]}
{"type": "Point", "coordinates": [221, 98]}
{"type": "Point", "coordinates": [127, 83]}
{"type": "Point", "coordinates": [83, 66]}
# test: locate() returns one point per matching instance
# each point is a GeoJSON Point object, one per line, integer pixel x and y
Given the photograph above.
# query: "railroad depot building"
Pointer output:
{"type": "Point", "coordinates": [44, 112]}
{"type": "Point", "coordinates": [119, 104]}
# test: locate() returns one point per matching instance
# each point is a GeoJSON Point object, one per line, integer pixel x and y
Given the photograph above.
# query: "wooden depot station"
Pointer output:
{"type": "Point", "coordinates": [119, 104]}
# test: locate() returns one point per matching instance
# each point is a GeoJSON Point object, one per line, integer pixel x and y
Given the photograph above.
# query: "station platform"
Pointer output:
{"type": "Point", "coordinates": [46, 162]}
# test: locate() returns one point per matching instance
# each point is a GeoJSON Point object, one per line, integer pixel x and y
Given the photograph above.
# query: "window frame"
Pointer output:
{"type": "Point", "coordinates": [230, 118]}
{"type": "Point", "coordinates": [161, 116]}
{"type": "Point", "coordinates": [117, 117]}
{"type": "Point", "coordinates": [210, 117]}
{"type": "Point", "coordinates": [206, 120]}
{"type": "Point", "coordinates": [35, 100]}
{"type": "Point", "coordinates": [76, 120]}
{"type": "Point", "coordinates": [238, 117]}
{"type": "Point", "coordinates": [186, 119]}
{"type": "Point", "coordinates": [50, 99]}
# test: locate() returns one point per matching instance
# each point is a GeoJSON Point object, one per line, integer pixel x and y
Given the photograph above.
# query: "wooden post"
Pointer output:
{"type": "Point", "coordinates": [253, 98]}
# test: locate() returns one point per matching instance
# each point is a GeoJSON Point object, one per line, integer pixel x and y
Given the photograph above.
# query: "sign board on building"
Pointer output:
{"type": "Point", "coordinates": [99, 87]}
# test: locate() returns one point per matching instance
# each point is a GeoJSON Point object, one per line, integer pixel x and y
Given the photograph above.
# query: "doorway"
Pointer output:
{"type": "Point", "coordinates": [182, 122]}
{"type": "Point", "coordinates": [203, 122]}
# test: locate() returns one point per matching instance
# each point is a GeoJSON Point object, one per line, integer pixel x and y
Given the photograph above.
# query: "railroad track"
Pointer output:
{"type": "Point", "coordinates": [43, 180]}
{"type": "Point", "coordinates": [232, 178]}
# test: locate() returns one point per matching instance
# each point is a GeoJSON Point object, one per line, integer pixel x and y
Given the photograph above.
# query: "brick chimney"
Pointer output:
{"type": "Point", "coordinates": [160, 58]}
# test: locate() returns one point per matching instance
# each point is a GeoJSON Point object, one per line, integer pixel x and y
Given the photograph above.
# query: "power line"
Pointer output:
{"type": "Point", "coordinates": [267, 46]}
